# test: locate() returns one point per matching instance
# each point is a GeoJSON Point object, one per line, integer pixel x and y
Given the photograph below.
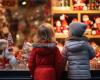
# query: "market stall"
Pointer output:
{"type": "Point", "coordinates": [19, 20]}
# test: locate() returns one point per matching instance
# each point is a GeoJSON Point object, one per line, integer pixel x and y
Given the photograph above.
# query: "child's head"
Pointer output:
{"type": "Point", "coordinates": [44, 33]}
{"type": "Point", "coordinates": [77, 29]}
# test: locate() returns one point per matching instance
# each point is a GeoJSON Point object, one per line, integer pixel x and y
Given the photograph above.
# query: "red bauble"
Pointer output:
{"type": "Point", "coordinates": [58, 29]}
{"type": "Point", "coordinates": [98, 55]}
{"type": "Point", "coordinates": [98, 32]}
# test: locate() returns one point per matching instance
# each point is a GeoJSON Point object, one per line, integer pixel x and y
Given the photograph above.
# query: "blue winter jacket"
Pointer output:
{"type": "Point", "coordinates": [78, 52]}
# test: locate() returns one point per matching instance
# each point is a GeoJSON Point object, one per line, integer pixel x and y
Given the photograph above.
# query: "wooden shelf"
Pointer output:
{"type": "Point", "coordinates": [64, 10]}
{"type": "Point", "coordinates": [89, 36]}
{"type": "Point", "coordinates": [60, 36]}
{"type": "Point", "coordinates": [93, 36]}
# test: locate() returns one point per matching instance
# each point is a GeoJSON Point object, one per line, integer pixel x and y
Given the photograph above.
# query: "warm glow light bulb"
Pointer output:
{"type": "Point", "coordinates": [24, 3]}
{"type": "Point", "coordinates": [17, 36]}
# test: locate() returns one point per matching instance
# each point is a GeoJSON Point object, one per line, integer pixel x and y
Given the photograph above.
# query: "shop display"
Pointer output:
{"type": "Point", "coordinates": [64, 12]}
{"type": "Point", "coordinates": [61, 23]}
{"type": "Point", "coordinates": [96, 25]}
{"type": "Point", "coordinates": [63, 4]}
{"type": "Point", "coordinates": [22, 61]}
{"type": "Point", "coordinates": [7, 58]}
{"type": "Point", "coordinates": [95, 63]}
{"type": "Point", "coordinates": [64, 24]}
{"type": "Point", "coordinates": [79, 5]}
{"type": "Point", "coordinates": [2, 62]}
{"type": "Point", "coordinates": [88, 22]}
{"type": "Point", "coordinates": [96, 48]}
{"type": "Point", "coordinates": [86, 4]}
{"type": "Point", "coordinates": [88, 12]}
{"type": "Point", "coordinates": [3, 43]}
{"type": "Point", "coordinates": [92, 25]}
{"type": "Point", "coordinates": [15, 22]}
{"type": "Point", "coordinates": [58, 26]}
{"type": "Point", "coordinates": [93, 5]}
{"type": "Point", "coordinates": [9, 3]}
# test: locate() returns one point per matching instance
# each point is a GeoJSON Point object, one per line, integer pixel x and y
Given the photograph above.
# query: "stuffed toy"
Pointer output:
{"type": "Point", "coordinates": [80, 5]}
{"type": "Point", "coordinates": [96, 48]}
{"type": "Point", "coordinates": [3, 45]}
{"type": "Point", "coordinates": [58, 26]}
{"type": "Point", "coordinates": [88, 22]}
{"type": "Point", "coordinates": [7, 59]}
{"type": "Point", "coordinates": [64, 24]}
{"type": "Point", "coordinates": [97, 25]}
{"type": "Point", "coordinates": [64, 21]}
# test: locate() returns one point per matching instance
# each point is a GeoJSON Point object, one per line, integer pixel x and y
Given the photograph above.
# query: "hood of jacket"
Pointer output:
{"type": "Point", "coordinates": [76, 44]}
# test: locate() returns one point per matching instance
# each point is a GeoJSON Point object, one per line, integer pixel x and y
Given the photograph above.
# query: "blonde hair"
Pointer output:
{"type": "Point", "coordinates": [45, 32]}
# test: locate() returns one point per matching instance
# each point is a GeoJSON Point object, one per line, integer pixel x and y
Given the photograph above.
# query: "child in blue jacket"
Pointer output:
{"type": "Point", "coordinates": [77, 52]}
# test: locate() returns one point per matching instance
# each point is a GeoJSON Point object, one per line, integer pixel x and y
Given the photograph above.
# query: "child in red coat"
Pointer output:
{"type": "Point", "coordinates": [45, 60]}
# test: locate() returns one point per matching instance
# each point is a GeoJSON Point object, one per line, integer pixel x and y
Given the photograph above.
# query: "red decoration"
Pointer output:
{"type": "Point", "coordinates": [9, 3]}
{"type": "Point", "coordinates": [98, 32]}
{"type": "Point", "coordinates": [97, 25]}
{"type": "Point", "coordinates": [79, 5]}
{"type": "Point", "coordinates": [64, 21]}
{"type": "Point", "coordinates": [97, 54]}
{"type": "Point", "coordinates": [58, 27]}
{"type": "Point", "coordinates": [18, 55]}
{"type": "Point", "coordinates": [75, 20]}
{"type": "Point", "coordinates": [87, 21]}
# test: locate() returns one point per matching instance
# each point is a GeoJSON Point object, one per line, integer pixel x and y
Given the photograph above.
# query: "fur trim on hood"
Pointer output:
{"type": "Point", "coordinates": [44, 45]}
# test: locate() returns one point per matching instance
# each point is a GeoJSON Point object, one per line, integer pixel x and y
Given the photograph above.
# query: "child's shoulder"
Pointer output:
{"type": "Point", "coordinates": [76, 42]}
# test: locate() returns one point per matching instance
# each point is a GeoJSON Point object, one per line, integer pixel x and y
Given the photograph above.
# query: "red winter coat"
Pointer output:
{"type": "Point", "coordinates": [45, 62]}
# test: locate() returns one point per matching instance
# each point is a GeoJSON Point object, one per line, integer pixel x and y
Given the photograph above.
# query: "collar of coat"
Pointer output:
{"type": "Point", "coordinates": [44, 45]}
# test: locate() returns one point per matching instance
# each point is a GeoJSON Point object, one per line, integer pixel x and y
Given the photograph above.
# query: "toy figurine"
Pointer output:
{"type": "Point", "coordinates": [88, 22]}
{"type": "Point", "coordinates": [80, 5]}
{"type": "Point", "coordinates": [64, 21]}
{"type": "Point", "coordinates": [97, 25]}
{"type": "Point", "coordinates": [58, 27]}
{"type": "Point", "coordinates": [96, 48]}
{"type": "Point", "coordinates": [3, 44]}
{"type": "Point", "coordinates": [64, 24]}
{"type": "Point", "coordinates": [7, 60]}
